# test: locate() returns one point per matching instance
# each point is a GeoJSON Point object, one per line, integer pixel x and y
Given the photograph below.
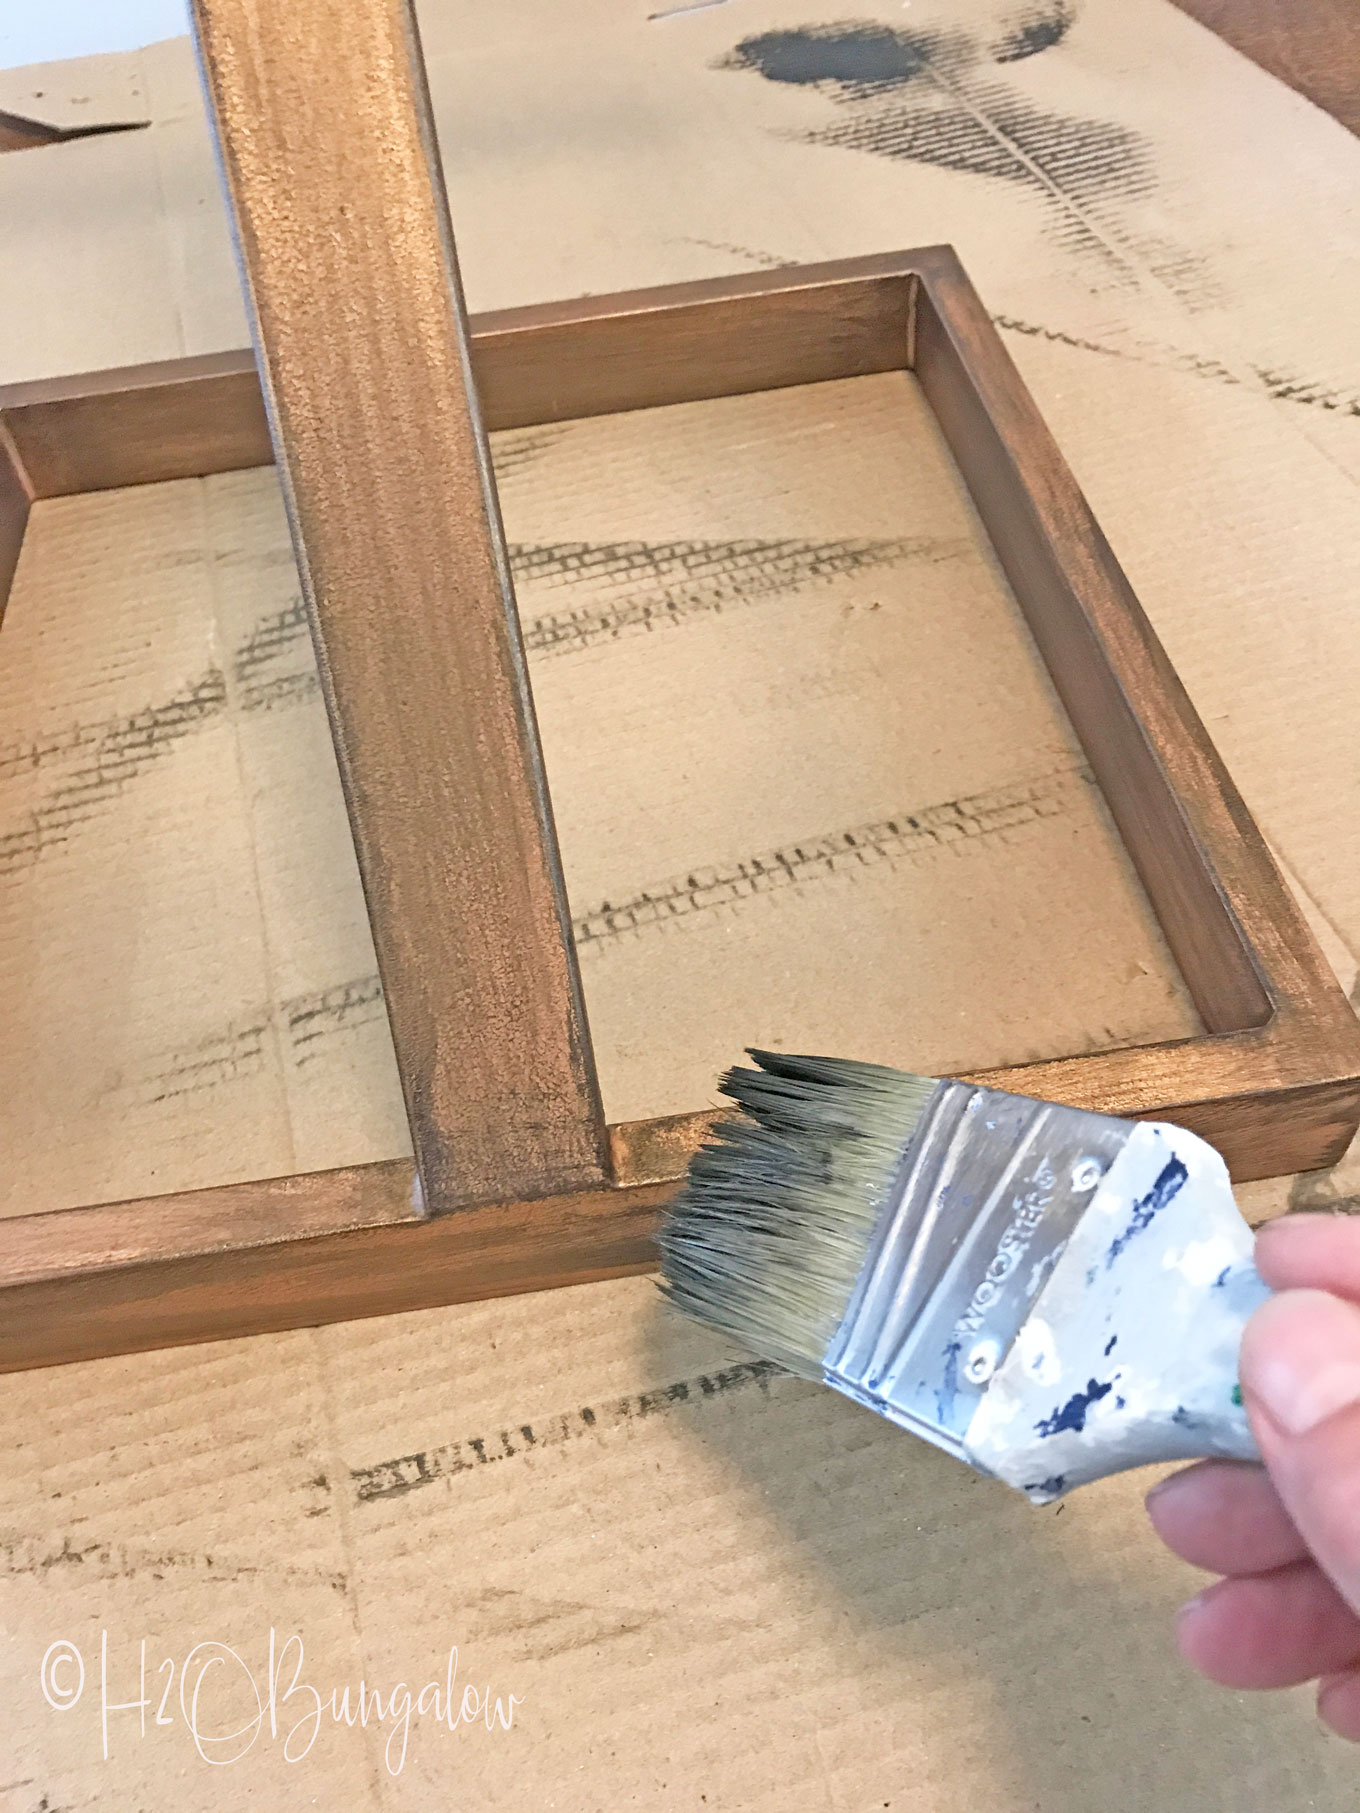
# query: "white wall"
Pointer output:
{"type": "Point", "coordinates": [50, 29]}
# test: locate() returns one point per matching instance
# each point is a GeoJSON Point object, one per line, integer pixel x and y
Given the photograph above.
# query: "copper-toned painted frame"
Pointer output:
{"type": "Point", "coordinates": [527, 1190]}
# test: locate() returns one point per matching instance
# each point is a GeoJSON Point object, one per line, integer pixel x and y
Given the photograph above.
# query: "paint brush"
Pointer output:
{"type": "Point", "coordinates": [1050, 1294]}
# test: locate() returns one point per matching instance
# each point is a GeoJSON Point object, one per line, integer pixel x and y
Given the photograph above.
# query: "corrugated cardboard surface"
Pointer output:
{"type": "Point", "coordinates": [812, 786]}
{"type": "Point", "coordinates": [765, 637]}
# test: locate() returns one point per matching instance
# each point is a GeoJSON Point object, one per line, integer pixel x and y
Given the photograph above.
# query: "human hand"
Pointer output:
{"type": "Point", "coordinates": [1286, 1536]}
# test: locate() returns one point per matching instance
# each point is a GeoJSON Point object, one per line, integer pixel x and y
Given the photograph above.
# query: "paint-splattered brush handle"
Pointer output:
{"type": "Point", "coordinates": [1053, 1295]}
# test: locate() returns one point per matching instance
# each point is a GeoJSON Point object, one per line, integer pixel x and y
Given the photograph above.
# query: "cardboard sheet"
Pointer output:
{"type": "Point", "coordinates": [765, 635]}
{"type": "Point", "coordinates": [707, 1587]}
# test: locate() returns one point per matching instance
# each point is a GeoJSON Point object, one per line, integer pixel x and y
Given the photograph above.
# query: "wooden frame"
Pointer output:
{"type": "Point", "coordinates": [517, 1183]}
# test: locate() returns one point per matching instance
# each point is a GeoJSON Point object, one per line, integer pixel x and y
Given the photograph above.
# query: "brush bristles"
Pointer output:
{"type": "Point", "coordinates": [769, 1233]}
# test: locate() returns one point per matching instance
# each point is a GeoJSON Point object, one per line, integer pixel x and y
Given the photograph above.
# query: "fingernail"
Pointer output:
{"type": "Point", "coordinates": [1166, 1487]}
{"type": "Point", "coordinates": [1192, 1606]}
{"type": "Point", "coordinates": [1287, 1227]}
{"type": "Point", "coordinates": [1301, 1359]}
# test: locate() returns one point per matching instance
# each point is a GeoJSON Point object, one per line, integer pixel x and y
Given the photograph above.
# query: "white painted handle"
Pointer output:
{"type": "Point", "coordinates": [1130, 1353]}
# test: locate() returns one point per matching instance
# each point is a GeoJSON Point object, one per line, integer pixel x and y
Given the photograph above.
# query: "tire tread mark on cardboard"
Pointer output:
{"type": "Point", "coordinates": [406, 1472]}
{"type": "Point", "coordinates": [274, 665]}
{"type": "Point", "coordinates": [1308, 392]}
{"type": "Point", "coordinates": [32, 1556]}
{"type": "Point", "coordinates": [102, 759]}
{"type": "Point", "coordinates": [308, 1018]}
{"type": "Point", "coordinates": [663, 583]}
{"type": "Point", "coordinates": [514, 449]}
{"type": "Point", "coordinates": [920, 831]}
{"type": "Point", "coordinates": [278, 636]}
{"type": "Point", "coordinates": [311, 1021]}
{"type": "Point", "coordinates": [666, 583]}
{"type": "Point", "coordinates": [238, 1052]}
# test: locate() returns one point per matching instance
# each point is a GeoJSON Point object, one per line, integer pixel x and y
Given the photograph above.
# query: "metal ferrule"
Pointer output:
{"type": "Point", "coordinates": [989, 1190]}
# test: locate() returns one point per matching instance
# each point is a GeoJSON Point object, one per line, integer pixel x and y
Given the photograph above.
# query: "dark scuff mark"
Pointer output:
{"type": "Point", "coordinates": [1313, 1192]}
{"type": "Point", "coordinates": [858, 56]}
{"type": "Point", "coordinates": [1167, 1187]}
{"type": "Point", "coordinates": [1036, 30]}
{"type": "Point", "coordinates": [539, 1628]}
{"type": "Point", "coordinates": [916, 96]}
{"type": "Point", "coordinates": [921, 831]}
{"type": "Point", "coordinates": [1109, 1345]}
{"type": "Point", "coordinates": [1072, 1414]}
{"type": "Point", "coordinates": [394, 1478]}
{"type": "Point", "coordinates": [927, 98]}
{"type": "Point", "coordinates": [1055, 1483]}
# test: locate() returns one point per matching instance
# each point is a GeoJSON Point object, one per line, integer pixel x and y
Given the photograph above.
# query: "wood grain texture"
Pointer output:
{"type": "Point", "coordinates": [179, 419]}
{"type": "Point", "coordinates": [1272, 1102]}
{"type": "Point", "coordinates": [656, 1151]}
{"type": "Point", "coordinates": [1249, 960]}
{"type": "Point", "coordinates": [16, 497]}
{"type": "Point", "coordinates": [68, 1243]}
{"type": "Point", "coordinates": [338, 1246]}
{"type": "Point", "coordinates": [20, 134]}
{"type": "Point", "coordinates": [184, 418]}
{"type": "Point", "coordinates": [721, 337]}
{"type": "Point", "coordinates": [1151, 758]}
{"type": "Point", "coordinates": [1276, 1085]}
{"type": "Point", "coordinates": [492, 1251]}
{"type": "Point", "coordinates": [326, 140]}
{"type": "Point", "coordinates": [1312, 45]}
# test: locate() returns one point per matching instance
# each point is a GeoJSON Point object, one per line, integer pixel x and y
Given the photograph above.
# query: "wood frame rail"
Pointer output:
{"type": "Point", "coordinates": [379, 395]}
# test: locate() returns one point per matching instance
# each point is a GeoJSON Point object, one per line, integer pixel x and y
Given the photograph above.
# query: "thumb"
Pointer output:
{"type": "Point", "coordinates": [1300, 1374]}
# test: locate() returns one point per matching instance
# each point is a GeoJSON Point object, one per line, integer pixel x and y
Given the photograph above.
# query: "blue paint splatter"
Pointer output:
{"type": "Point", "coordinates": [949, 1384]}
{"type": "Point", "coordinates": [1167, 1187]}
{"type": "Point", "coordinates": [1222, 1278]}
{"type": "Point", "coordinates": [1109, 1345]}
{"type": "Point", "coordinates": [1050, 1487]}
{"type": "Point", "coordinates": [1072, 1415]}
